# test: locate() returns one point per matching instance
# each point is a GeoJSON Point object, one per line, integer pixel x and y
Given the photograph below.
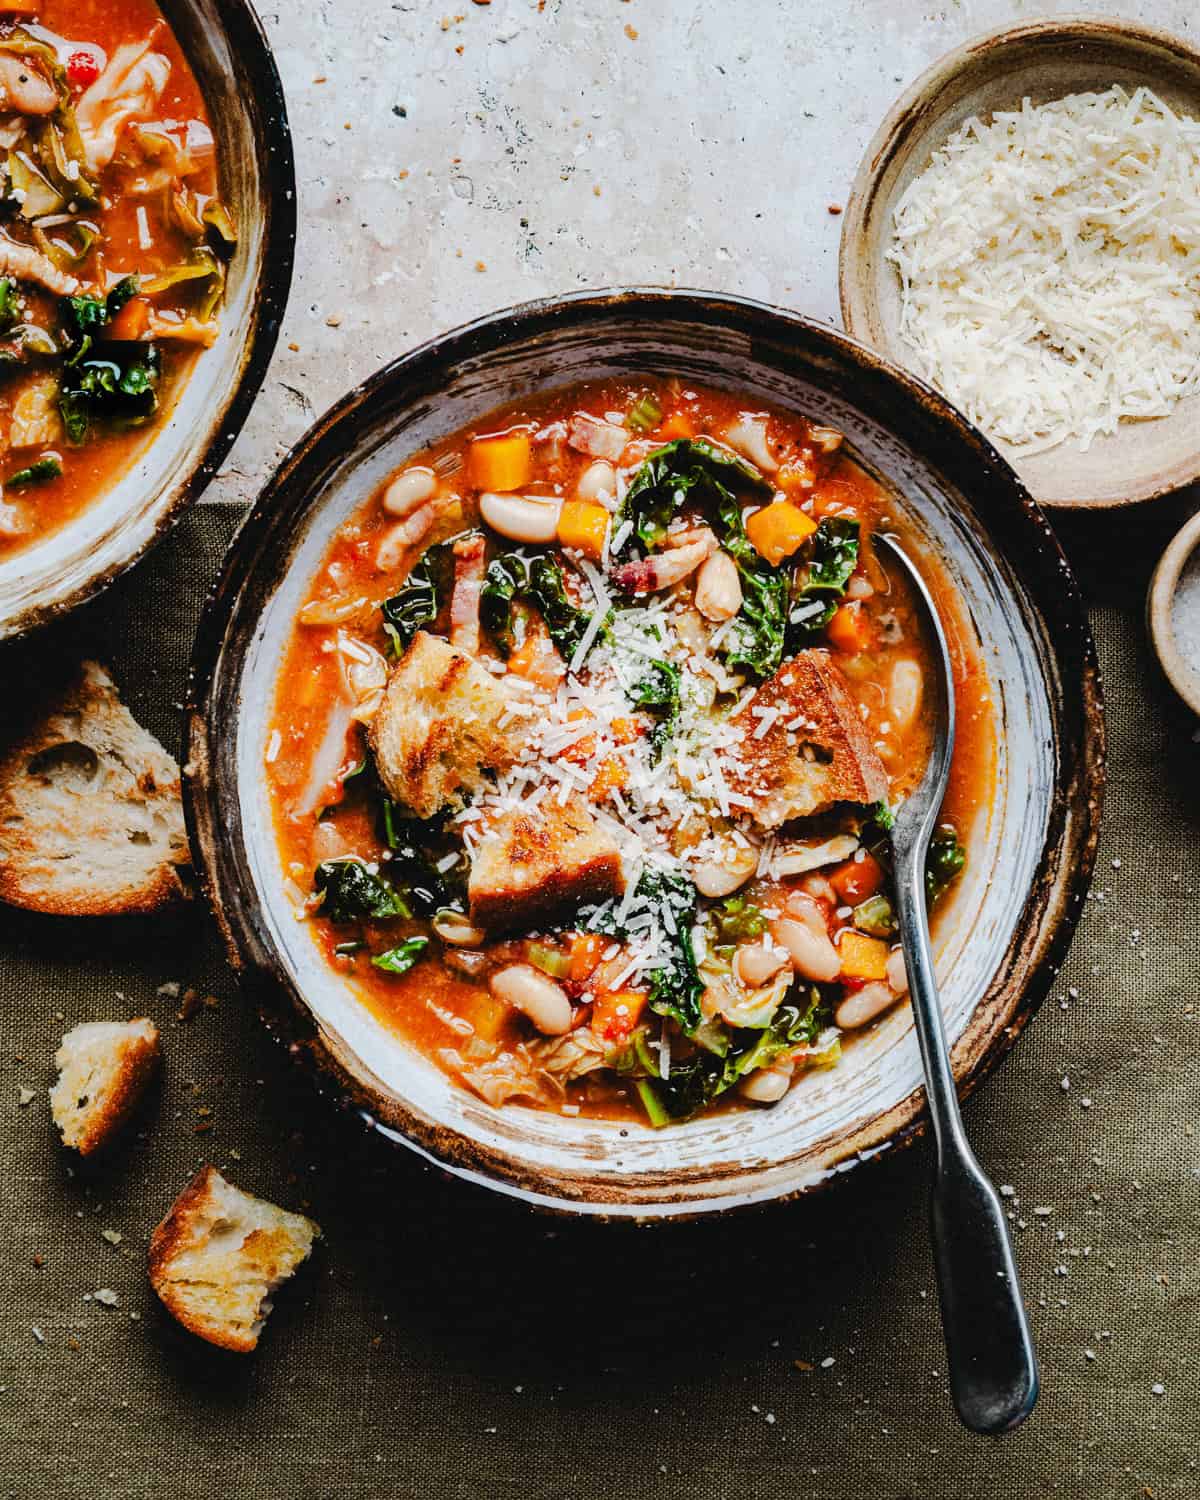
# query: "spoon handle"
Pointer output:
{"type": "Point", "coordinates": [992, 1365]}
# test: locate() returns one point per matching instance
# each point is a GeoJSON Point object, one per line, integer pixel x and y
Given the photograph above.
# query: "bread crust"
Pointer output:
{"type": "Point", "coordinates": [536, 864]}
{"type": "Point", "coordinates": [269, 1253]}
{"type": "Point", "coordinates": [85, 717]}
{"type": "Point", "coordinates": [140, 1055]}
{"type": "Point", "coordinates": [439, 727]}
{"type": "Point", "coordinates": [829, 758]}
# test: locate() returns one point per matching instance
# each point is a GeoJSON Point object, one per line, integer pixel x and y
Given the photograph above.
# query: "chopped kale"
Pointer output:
{"type": "Point", "coordinates": [400, 959]}
{"type": "Point", "coordinates": [116, 382]}
{"type": "Point", "coordinates": [411, 868]}
{"type": "Point", "coordinates": [688, 469]}
{"type": "Point", "coordinates": [10, 304]}
{"type": "Point", "coordinates": [819, 582]}
{"type": "Point", "coordinates": [755, 640]}
{"type": "Point", "coordinates": [658, 693]}
{"type": "Point", "coordinates": [944, 862]}
{"type": "Point", "coordinates": [540, 581]}
{"type": "Point", "coordinates": [418, 601]}
{"type": "Point", "coordinates": [349, 893]}
{"type": "Point", "coordinates": [39, 472]}
{"type": "Point", "coordinates": [675, 989]}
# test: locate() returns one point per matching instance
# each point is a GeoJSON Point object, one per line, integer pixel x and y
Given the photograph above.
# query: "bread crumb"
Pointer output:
{"type": "Point", "coordinates": [106, 1297]}
{"type": "Point", "coordinates": [113, 1236]}
{"type": "Point", "coordinates": [25, 1096]}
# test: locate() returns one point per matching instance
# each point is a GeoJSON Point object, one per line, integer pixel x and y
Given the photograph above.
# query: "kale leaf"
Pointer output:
{"type": "Point", "coordinates": [540, 581]}
{"type": "Point", "coordinates": [944, 862]}
{"type": "Point", "coordinates": [410, 867]}
{"type": "Point", "coordinates": [658, 693]}
{"type": "Point", "coordinates": [349, 892]}
{"type": "Point", "coordinates": [420, 597]}
{"type": "Point", "coordinates": [755, 640]}
{"type": "Point", "coordinates": [819, 583]}
{"type": "Point", "coordinates": [39, 472]}
{"type": "Point", "coordinates": [675, 989]}
{"type": "Point", "coordinates": [688, 469]}
{"type": "Point", "coordinates": [10, 303]}
{"type": "Point", "coordinates": [400, 959]}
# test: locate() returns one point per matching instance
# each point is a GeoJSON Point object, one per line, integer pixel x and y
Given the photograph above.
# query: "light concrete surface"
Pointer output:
{"type": "Point", "coordinates": [454, 158]}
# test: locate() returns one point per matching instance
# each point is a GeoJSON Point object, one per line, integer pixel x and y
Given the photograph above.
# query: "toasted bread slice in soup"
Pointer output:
{"type": "Point", "coordinates": [815, 750]}
{"type": "Point", "coordinates": [103, 1069]}
{"type": "Point", "coordinates": [443, 722]}
{"type": "Point", "coordinates": [537, 863]}
{"type": "Point", "coordinates": [218, 1256]}
{"type": "Point", "coordinates": [91, 822]}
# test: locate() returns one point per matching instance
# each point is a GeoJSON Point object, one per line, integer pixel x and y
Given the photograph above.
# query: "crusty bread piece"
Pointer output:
{"type": "Point", "coordinates": [794, 772]}
{"type": "Point", "coordinates": [535, 865]}
{"type": "Point", "coordinates": [219, 1254]}
{"type": "Point", "coordinates": [90, 817]}
{"type": "Point", "coordinates": [441, 724]}
{"type": "Point", "coordinates": [103, 1069]}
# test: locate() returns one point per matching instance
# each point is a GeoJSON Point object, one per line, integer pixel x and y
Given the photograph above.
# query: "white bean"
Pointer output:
{"type": "Point", "coordinates": [897, 973]}
{"type": "Point", "coordinates": [723, 877]}
{"type": "Point", "coordinates": [810, 948]}
{"type": "Point", "coordinates": [529, 991]}
{"type": "Point", "coordinates": [408, 490]}
{"type": "Point", "coordinates": [718, 588]}
{"type": "Point", "coordinates": [597, 482]}
{"type": "Point", "coordinates": [756, 963]}
{"type": "Point", "coordinates": [859, 588]}
{"type": "Point", "coordinates": [768, 1085]}
{"type": "Point", "coordinates": [905, 688]}
{"type": "Point", "coordinates": [815, 884]}
{"type": "Point", "coordinates": [522, 518]}
{"type": "Point", "coordinates": [863, 1005]}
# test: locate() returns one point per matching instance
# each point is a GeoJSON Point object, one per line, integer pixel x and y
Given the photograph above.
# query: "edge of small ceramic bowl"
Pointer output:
{"type": "Point", "coordinates": [227, 47]}
{"type": "Point", "coordinates": [1159, 456]}
{"type": "Point", "coordinates": [1159, 599]}
{"type": "Point", "coordinates": [739, 335]}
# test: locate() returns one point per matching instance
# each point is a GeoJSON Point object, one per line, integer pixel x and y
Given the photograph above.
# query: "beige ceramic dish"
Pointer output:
{"type": "Point", "coordinates": [1160, 610]}
{"type": "Point", "coordinates": [1043, 60]}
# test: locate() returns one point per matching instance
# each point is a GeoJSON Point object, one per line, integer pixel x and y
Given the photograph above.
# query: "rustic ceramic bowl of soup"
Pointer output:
{"type": "Point", "coordinates": [1031, 848]}
{"type": "Point", "coordinates": [227, 51]}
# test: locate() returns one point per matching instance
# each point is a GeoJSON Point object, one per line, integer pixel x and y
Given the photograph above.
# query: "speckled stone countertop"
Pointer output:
{"type": "Point", "coordinates": [447, 1344]}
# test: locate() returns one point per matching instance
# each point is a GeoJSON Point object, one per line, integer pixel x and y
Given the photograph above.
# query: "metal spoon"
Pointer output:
{"type": "Point", "coordinates": [993, 1368]}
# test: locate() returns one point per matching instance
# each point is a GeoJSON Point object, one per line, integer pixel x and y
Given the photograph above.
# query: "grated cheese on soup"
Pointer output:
{"type": "Point", "coordinates": [1050, 266]}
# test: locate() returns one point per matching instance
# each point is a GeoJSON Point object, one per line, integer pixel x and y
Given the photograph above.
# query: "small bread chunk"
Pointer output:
{"type": "Point", "coordinates": [103, 1069]}
{"type": "Point", "coordinates": [218, 1256]}
{"type": "Point", "coordinates": [91, 822]}
{"type": "Point", "coordinates": [794, 770]}
{"type": "Point", "coordinates": [542, 863]}
{"type": "Point", "coordinates": [440, 726]}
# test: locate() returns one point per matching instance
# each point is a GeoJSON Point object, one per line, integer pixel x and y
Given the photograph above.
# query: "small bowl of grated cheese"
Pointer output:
{"type": "Point", "coordinates": [1024, 235]}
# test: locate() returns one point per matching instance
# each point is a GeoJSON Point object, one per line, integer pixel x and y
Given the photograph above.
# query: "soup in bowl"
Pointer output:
{"type": "Point", "coordinates": [548, 720]}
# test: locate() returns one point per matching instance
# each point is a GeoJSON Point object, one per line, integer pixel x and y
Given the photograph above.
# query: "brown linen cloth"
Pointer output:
{"type": "Point", "coordinates": [444, 1342]}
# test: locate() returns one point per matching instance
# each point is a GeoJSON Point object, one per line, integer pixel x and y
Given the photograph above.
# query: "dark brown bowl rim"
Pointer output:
{"type": "Point", "coordinates": [216, 833]}
{"type": "Point", "coordinates": [908, 113]}
{"type": "Point", "coordinates": [277, 174]}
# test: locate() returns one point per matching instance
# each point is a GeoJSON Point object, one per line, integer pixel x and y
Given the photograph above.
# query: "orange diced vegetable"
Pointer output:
{"type": "Point", "coordinates": [625, 731]}
{"type": "Point", "coordinates": [132, 321]}
{"type": "Point", "coordinates": [616, 1014]}
{"type": "Point", "coordinates": [778, 530]}
{"type": "Point", "coordinates": [586, 948]}
{"type": "Point", "coordinates": [863, 958]}
{"type": "Point", "coordinates": [583, 525]}
{"type": "Point", "coordinates": [501, 463]}
{"type": "Point", "coordinates": [537, 661]}
{"type": "Point", "coordinates": [850, 630]}
{"type": "Point", "coordinates": [612, 776]}
{"type": "Point", "coordinates": [857, 879]}
{"type": "Point", "coordinates": [794, 475]}
{"type": "Point", "coordinates": [677, 425]}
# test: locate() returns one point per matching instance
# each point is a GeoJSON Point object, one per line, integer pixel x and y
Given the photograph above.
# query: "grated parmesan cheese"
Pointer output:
{"type": "Point", "coordinates": [1050, 266]}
